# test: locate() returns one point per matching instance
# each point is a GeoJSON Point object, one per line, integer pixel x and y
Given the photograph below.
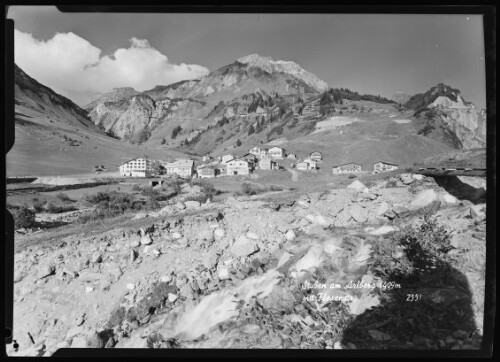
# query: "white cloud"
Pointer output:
{"type": "Point", "coordinates": [73, 67]}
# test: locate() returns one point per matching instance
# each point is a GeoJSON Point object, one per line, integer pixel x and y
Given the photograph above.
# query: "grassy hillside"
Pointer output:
{"type": "Point", "coordinates": [44, 148]}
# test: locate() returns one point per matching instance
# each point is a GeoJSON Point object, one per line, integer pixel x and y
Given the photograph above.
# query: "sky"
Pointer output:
{"type": "Point", "coordinates": [81, 55]}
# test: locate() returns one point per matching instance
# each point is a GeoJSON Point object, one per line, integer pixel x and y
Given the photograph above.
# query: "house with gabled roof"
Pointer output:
{"type": "Point", "coordinates": [382, 166]}
{"type": "Point", "coordinates": [350, 167]}
{"type": "Point", "coordinates": [316, 156]}
{"type": "Point", "coordinates": [276, 152]}
{"type": "Point", "coordinates": [182, 168]}
{"type": "Point", "coordinates": [238, 167]}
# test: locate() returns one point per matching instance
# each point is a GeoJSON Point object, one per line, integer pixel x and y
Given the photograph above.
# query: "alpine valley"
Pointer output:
{"type": "Point", "coordinates": [252, 101]}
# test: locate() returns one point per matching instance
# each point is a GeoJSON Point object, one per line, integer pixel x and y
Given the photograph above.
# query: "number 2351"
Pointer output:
{"type": "Point", "coordinates": [413, 297]}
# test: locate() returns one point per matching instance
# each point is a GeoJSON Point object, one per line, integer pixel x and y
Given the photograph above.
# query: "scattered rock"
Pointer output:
{"type": "Point", "coordinates": [95, 340]}
{"type": "Point", "coordinates": [180, 205]}
{"type": "Point", "coordinates": [79, 342]}
{"type": "Point", "coordinates": [406, 178]}
{"type": "Point", "coordinates": [193, 205]}
{"type": "Point", "coordinates": [252, 235]}
{"type": "Point", "coordinates": [400, 211]}
{"type": "Point", "coordinates": [290, 235]}
{"type": "Point", "coordinates": [321, 220]}
{"type": "Point", "coordinates": [130, 286]}
{"type": "Point", "coordinates": [46, 270]}
{"type": "Point", "coordinates": [358, 186]}
{"type": "Point", "coordinates": [219, 233]}
{"type": "Point", "coordinates": [358, 213]}
{"type": "Point", "coordinates": [172, 297]}
{"type": "Point", "coordinates": [382, 209]}
{"type": "Point", "coordinates": [424, 198]}
{"type": "Point", "coordinates": [448, 199]}
{"type": "Point", "coordinates": [211, 259]}
{"type": "Point", "coordinates": [146, 240]}
{"type": "Point", "coordinates": [244, 246]}
{"type": "Point", "coordinates": [224, 273]}
{"type": "Point", "coordinates": [176, 235]}
{"type": "Point", "coordinates": [285, 256]}
{"type": "Point", "coordinates": [89, 289]}
{"type": "Point", "coordinates": [96, 257]}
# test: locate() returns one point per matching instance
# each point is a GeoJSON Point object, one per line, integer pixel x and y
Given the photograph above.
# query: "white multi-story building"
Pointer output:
{"type": "Point", "coordinates": [382, 166]}
{"type": "Point", "coordinates": [182, 168]}
{"type": "Point", "coordinates": [267, 164]}
{"type": "Point", "coordinates": [350, 167]}
{"type": "Point", "coordinates": [137, 167]}
{"type": "Point", "coordinates": [277, 153]}
{"type": "Point", "coordinates": [238, 167]}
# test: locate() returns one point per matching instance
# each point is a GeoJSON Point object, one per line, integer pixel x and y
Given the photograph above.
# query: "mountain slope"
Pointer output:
{"type": "Point", "coordinates": [53, 136]}
{"type": "Point", "coordinates": [32, 95]}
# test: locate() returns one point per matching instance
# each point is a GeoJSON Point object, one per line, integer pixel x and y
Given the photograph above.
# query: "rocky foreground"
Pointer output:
{"type": "Point", "coordinates": [232, 275]}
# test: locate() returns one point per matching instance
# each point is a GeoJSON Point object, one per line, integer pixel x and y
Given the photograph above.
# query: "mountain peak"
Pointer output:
{"type": "Point", "coordinates": [284, 66]}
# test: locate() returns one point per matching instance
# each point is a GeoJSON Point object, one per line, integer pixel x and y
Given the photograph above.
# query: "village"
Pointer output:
{"type": "Point", "coordinates": [257, 158]}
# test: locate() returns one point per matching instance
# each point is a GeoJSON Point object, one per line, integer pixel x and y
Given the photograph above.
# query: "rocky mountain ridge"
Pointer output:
{"type": "Point", "coordinates": [191, 103]}
{"type": "Point", "coordinates": [444, 104]}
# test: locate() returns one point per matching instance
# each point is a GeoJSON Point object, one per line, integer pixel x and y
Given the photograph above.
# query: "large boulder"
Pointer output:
{"type": "Point", "coordinates": [244, 246]}
{"type": "Point", "coordinates": [424, 198]}
{"type": "Point", "coordinates": [320, 220]}
{"type": "Point", "coordinates": [406, 178]}
{"type": "Point", "coordinates": [358, 213]}
{"type": "Point", "coordinates": [447, 199]}
{"type": "Point", "coordinates": [382, 208]}
{"type": "Point", "coordinates": [146, 240]}
{"type": "Point", "coordinates": [358, 186]}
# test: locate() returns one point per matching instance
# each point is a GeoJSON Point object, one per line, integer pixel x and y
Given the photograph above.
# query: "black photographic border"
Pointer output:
{"type": "Point", "coordinates": [489, 28]}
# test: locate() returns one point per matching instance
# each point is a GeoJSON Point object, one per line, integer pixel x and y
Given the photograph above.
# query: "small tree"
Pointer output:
{"type": "Point", "coordinates": [251, 130]}
{"type": "Point", "coordinates": [176, 131]}
{"type": "Point", "coordinates": [238, 143]}
{"type": "Point", "coordinates": [23, 217]}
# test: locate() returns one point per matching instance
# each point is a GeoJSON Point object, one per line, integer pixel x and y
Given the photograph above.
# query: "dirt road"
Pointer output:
{"type": "Point", "coordinates": [294, 173]}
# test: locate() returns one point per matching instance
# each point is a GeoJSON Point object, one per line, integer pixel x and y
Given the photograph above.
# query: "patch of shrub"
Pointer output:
{"type": "Point", "coordinates": [176, 131]}
{"type": "Point", "coordinates": [64, 197]}
{"type": "Point", "coordinates": [57, 209]}
{"type": "Point", "coordinates": [136, 188]}
{"type": "Point", "coordinates": [38, 206]}
{"type": "Point", "coordinates": [201, 198]}
{"type": "Point", "coordinates": [415, 254]}
{"type": "Point", "coordinates": [23, 217]}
